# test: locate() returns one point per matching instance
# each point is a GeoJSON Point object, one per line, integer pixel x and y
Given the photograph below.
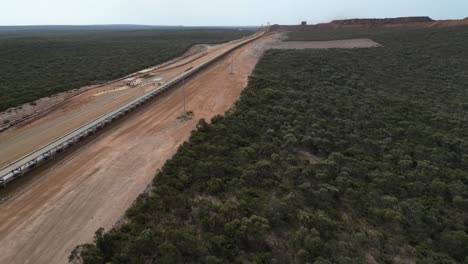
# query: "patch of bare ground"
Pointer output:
{"type": "Point", "coordinates": [65, 202]}
{"type": "Point", "coordinates": [43, 128]}
{"type": "Point", "coordinates": [370, 259]}
{"type": "Point", "coordinates": [16, 115]}
{"type": "Point", "coordinates": [209, 198]}
{"type": "Point", "coordinates": [306, 155]}
{"type": "Point", "coordinates": [406, 256]}
{"type": "Point", "coordinates": [40, 107]}
{"type": "Point", "coordinates": [333, 44]}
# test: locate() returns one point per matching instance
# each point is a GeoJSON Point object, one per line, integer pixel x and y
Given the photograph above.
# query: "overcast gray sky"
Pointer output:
{"type": "Point", "coordinates": [217, 12]}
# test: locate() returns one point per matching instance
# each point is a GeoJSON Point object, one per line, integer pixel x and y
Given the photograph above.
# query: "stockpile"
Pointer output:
{"type": "Point", "coordinates": [403, 22]}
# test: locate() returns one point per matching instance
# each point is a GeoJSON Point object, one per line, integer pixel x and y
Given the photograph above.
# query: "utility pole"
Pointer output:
{"type": "Point", "coordinates": [183, 92]}
{"type": "Point", "coordinates": [232, 64]}
{"type": "Point", "coordinates": [185, 115]}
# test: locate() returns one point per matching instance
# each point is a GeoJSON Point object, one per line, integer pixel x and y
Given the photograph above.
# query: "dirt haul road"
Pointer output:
{"type": "Point", "coordinates": [63, 204]}
{"type": "Point", "coordinates": [23, 139]}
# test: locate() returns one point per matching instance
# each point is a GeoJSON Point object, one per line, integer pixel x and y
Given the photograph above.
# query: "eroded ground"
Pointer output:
{"type": "Point", "coordinates": [28, 136]}
{"type": "Point", "coordinates": [44, 217]}
{"type": "Point", "coordinates": [332, 44]}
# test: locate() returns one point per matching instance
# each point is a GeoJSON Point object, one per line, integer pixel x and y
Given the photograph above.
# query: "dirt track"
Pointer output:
{"type": "Point", "coordinates": [46, 104]}
{"type": "Point", "coordinates": [27, 137]}
{"type": "Point", "coordinates": [64, 203]}
{"type": "Point", "coordinates": [45, 215]}
{"type": "Point", "coordinates": [332, 44]}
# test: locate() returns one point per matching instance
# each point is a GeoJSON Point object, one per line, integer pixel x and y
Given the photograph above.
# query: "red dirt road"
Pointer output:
{"type": "Point", "coordinates": [64, 203]}
{"type": "Point", "coordinates": [29, 136]}
{"type": "Point", "coordinates": [333, 44]}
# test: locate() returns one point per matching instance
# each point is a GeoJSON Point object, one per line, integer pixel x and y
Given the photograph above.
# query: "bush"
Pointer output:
{"type": "Point", "coordinates": [38, 64]}
{"type": "Point", "coordinates": [389, 131]}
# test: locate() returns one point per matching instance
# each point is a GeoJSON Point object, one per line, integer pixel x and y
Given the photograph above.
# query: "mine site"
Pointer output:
{"type": "Point", "coordinates": [300, 142]}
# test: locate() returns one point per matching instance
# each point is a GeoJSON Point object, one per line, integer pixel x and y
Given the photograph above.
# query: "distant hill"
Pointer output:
{"type": "Point", "coordinates": [105, 27]}
{"type": "Point", "coordinates": [85, 27]}
{"type": "Point", "coordinates": [383, 21]}
{"type": "Point", "coordinates": [403, 22]}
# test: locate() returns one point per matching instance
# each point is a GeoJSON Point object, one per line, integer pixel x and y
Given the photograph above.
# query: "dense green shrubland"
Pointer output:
{"type": "Point", "coordinates": [35, 64]}
{"type": "Point", "coordinates": [388, 127]}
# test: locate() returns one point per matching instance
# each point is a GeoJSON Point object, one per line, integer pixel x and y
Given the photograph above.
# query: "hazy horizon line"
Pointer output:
{"type": "Point", "coordinates": [116, 24]}
{"type": "Point", "coordinates": [181, 25]}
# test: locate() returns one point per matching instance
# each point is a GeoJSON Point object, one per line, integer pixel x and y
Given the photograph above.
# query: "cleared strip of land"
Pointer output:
{"type": "Point", "coordinates": [21, 140]}
{"type": "Point", "coordinates": [44, 216]}
{"type": "Point", "coordinates": [333, 44]}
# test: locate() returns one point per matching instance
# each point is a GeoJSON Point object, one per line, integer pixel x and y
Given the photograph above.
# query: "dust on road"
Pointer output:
{"type": "Point", "coordinates": [63, 205]}
{"type": "Point", "coordinates": [331, 44]}
{"type": "Point", "coordinates": [26, 137]}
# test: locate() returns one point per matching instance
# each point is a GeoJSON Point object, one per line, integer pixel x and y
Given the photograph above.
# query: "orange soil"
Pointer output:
{"type": "Point", "coordinates": [332, 44]}
{"type": "Point", "coordinates": [65, 202]}
{"type": "Point", "coordinates": [29, 136]}
{"type": "Point", "coordinates": [42, 106]}
{"type": "Point", "coordinates": [404, 22]}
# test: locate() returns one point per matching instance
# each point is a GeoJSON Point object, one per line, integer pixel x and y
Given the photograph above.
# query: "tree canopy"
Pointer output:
{"type": "Point", "coordinates": [35, 64]}
{"type": "Point", "coordinates": [329, 156]}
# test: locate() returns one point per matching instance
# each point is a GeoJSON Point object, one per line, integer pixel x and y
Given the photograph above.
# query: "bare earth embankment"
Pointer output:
{"type": "Point", "coordinates": [46, 215]}
{"type": "Point", "coordinates": [30, 135]}
{"type": "Point", "coordinates": [333, 44]}
{"type": "Point", "coordinates": [388, 128]}
{"type": "Point", "coordinates": [32, 111]}
{"type": "Point", "coordinates": [63, 205]}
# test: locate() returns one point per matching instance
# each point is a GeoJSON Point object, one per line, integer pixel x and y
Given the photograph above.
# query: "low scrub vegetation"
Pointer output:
{"type": "Point", "coordinates": [330, 156]}
{"type": "Point", "coordinates": [35, 64]}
